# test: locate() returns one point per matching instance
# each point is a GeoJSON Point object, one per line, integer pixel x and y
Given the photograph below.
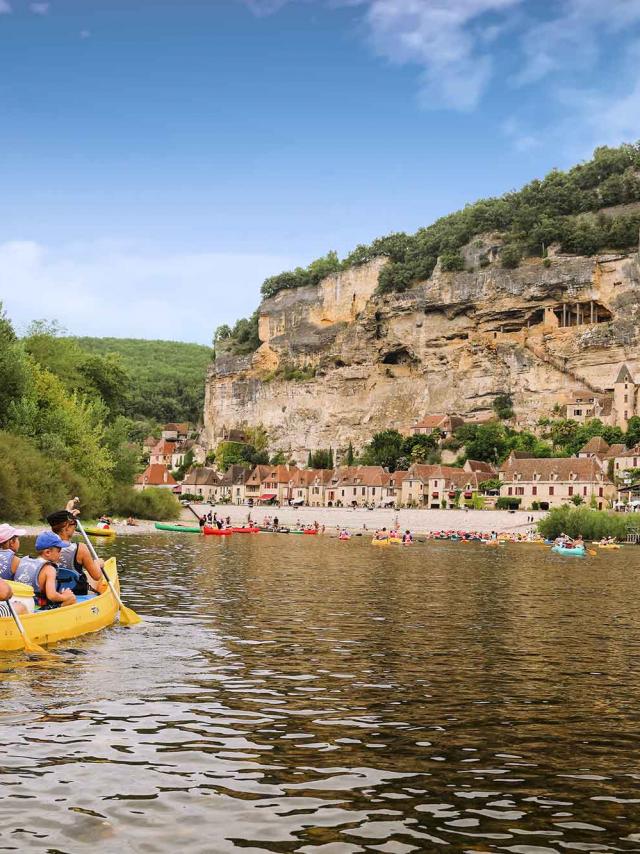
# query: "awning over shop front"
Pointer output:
{"type": "Point", "coordinates": [268, 496]}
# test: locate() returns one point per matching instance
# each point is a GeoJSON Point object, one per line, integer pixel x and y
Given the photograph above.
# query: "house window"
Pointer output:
{"type": "Point", "coordinates": [510, 491]}
{"type": "Point", "coordinates": [364, 491]}
{"type": "Point", "coordinates": [584, 490]}
{"type": "Point", "coordinates": [570, 491]}
{"type": "Point", "coordinates": [551, 490]}
{"type": "Point", "coordinates": [600, 492]}
{"type": "Point", "coordinates": [373, 491]}
{"type": "Point", "coordinates": [343, 493]}
{"type": "Point", "coordinates": [519, 490]}
{"type": "Point", "coordinates": [577, 412]}
{"type": "Point", "coordinates": [534, 490]}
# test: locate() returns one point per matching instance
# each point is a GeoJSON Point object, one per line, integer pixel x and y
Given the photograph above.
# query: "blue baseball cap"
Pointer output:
{"type": "Point", "coordinates": [49, 540]}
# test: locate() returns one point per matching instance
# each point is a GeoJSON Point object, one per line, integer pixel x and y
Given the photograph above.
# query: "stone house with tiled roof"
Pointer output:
{"type": "Point", "coordinates": [440, 422]}
{"type": "Point", "coordinates": [156, 476]}
{"type": "Point", "coordinates": [318, 487]}
{"type": "Point", "coordinates": [554, 482]}
{"type": "Point", "coordinates": [162, 452]}
{"type": "Point", "coordinates": [203, 482]}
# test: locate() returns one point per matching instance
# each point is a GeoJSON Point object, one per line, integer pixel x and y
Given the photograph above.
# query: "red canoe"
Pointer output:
{"type": "Point", "coordinates": [309, 532]}
{"type": "Point", "coordinates": [218, 532]}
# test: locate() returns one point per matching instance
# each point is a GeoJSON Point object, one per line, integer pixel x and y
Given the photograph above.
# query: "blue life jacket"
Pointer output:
{"type": "Point", "coordinates": [6, 557]}
{"type": "Point", "coordinates": [70, 575]}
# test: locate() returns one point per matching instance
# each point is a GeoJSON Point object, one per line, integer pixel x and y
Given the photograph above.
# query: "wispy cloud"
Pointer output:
{"type": "Point", "coordinates": [85, 34]}
{"type": "Point", "coordinates": [126, 289]}
{"type": "Point", "coordinates": [40, 8]}
{"type": "Point", "coordinates": [455, 44]}
{"type": "Point", "coordinates": [447, 41]}
{"type": "Point", "coordinates": [5, 7]}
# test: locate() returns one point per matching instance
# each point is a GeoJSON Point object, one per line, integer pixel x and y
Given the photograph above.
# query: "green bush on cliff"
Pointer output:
{"type": "Point", "coordinates": [562, 208]}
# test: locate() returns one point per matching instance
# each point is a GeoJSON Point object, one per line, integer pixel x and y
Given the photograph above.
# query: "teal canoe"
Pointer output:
{"type": "Point", "coordinates": [181, 529]}
{"type": "Point", "coordinates": [574, 552]}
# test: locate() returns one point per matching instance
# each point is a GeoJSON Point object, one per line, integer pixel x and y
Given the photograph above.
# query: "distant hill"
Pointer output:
{"type": "Point", "coordinates": [167, 376]}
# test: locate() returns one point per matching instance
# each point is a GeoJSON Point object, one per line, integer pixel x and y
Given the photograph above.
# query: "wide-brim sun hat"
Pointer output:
{"type": "Point", "coordinates": [8, 532]}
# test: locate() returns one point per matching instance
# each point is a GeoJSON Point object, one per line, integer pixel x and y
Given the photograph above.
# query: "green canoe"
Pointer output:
{"type": "Point", "coordinates": [182, 529]}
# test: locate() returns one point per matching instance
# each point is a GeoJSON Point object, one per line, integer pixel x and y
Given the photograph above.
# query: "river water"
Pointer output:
{"type": "Point", "coordinates": [299, 694]}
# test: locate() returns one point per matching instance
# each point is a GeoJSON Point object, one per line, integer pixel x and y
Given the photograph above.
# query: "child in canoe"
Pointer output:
{"type": "Point", "coordinates": [9, 545]}
{"type": "Point", "coordinates": [40, 572]}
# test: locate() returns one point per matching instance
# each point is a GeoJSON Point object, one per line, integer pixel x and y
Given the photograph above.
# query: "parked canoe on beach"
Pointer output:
{"type": "Point", "coordinates": [89, 614]}
{"type": "Point", "coordinates": [183, 529]}
{"type": "Point", "coordinates": [93, 531]}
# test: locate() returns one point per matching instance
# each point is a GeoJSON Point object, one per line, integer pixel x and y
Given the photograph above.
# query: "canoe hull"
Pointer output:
{"type": "Point", "coordinates": [45, 627]}
{"type": "Point", "coordinates": [99, 532]}
{"type": "Point", "coordinates": [181, 529]}
{"type": "Point", "coordinates": [560, 550]}
{"type": "Point", "coordinates": [217, 532]}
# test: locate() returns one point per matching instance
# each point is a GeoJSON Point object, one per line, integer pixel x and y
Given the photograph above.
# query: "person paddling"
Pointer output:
{"type": "Point", "coordinates": [9, 545]}
{"type": "Point", "coordinates": [6, 593]}
{"type": "Point", "coordinates": [76, 556]}
{"type": "Point", "coordinates": [40, 572]}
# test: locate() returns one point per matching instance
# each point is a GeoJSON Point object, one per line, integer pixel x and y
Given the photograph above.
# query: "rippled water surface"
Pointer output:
{"type": "Point", "coordinates": [299, 694]}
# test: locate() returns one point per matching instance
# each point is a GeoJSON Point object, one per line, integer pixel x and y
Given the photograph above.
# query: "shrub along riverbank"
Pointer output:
{"type": "Point", "coordinates": [64, 431]}
{"type": "Point", "coordinates": [592, 524]}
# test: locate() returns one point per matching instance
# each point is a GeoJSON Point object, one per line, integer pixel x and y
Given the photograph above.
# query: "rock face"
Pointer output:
{"type": "Point", "coordinates": [338, 363]}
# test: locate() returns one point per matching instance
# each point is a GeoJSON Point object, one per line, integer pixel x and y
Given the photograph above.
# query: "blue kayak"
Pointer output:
{"type": "Point", "coordinates": [572, 552]}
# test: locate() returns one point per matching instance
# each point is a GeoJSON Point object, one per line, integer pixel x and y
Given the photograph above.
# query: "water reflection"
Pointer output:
{"type": "Point", "coordinates": [285, 695]}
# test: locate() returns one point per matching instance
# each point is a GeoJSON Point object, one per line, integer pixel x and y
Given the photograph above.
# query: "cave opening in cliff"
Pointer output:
{"type": "Point", "coordinates": [399, 356]}
{"type": "Point", "coordinates": [581, 313]}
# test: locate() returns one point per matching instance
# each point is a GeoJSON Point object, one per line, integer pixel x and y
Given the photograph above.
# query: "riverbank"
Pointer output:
{"type": "Point", "coordinates": [417, 521]}
{"type": "Point", "coordinates": [334, 518]}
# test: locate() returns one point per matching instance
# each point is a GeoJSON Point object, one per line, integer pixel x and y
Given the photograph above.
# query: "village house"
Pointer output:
{"type": "Point", "coordinates": [301, 484]}
{"type": "Point", "coordinates": [362, 486]}
{"type": "Point", "coordinates": [437, 486]}
{"type": "Point", "coordinates": [174, 432]}
{"type": "Point", "coordinates": [583, 407]}
{"type": "Point", "coordinates": [554, 482]}
{"type": "Point", "coordinates": [156, 476]}
{"type": "Point", "coordinates": [392, 494]}
{"type": "Point", "coordinates": [596, 448]}
{"type": "Point", "coordinates": [231, 485]}
{"type": "Point", "coordinates": [318, 487]}
{"type": "Point", "coordinates": [253, 483]}
{"type": "Point", "coordinates": [624, 460]}
{"type": "Point", "coordinates": [162, 452]}
{"type": "Point", "coordinates": [203, 482]}
{"type": "Point", "coordinates": [443, 424]}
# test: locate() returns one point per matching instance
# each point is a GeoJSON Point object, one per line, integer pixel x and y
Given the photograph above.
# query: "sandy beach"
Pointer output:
{"type": "Point", "coordinates": [417, 521]}
{"type": "Point", "coordinates": [333, 518]}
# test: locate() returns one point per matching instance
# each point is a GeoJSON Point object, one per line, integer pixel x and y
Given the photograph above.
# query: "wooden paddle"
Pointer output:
{"type": "Point", "coordinates": [127, 616]}
{"type": "Point", "coordinates": [29, 645]}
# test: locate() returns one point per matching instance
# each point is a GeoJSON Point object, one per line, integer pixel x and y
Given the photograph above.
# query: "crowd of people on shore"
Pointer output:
{"type": "Point", "coordinates": [59, 573]}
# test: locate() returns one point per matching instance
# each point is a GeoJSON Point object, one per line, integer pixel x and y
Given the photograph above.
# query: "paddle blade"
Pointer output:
{"type": "Point", "coordinates": [129, 617]}
{"type": "Point", "coordinates": [34, 648]}
{"type": "Point", "coordinates": [592, 553]}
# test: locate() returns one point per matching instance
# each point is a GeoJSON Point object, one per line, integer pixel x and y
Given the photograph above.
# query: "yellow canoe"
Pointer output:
{"type": "Point", "coordinates": [45, 627]}
{"type": "Point", "coordinates": [100, 532]}
{"type": "Point", "coordinates": [613, 546]}
{"type": "Point", "coordinates": [375, 542]}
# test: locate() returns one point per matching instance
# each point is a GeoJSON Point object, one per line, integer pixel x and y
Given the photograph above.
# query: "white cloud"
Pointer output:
{"type": "Point", "coordinates": [40, 8]}
{"type": "Point", "coordinates": [125, 290]}
{"type": "Point", "coordinates": [571, 40]}
{"type": "Point", "coordinates": [5, 7]}
{"type": "Point", "coordinates": [447, 40]}
{"type": "Point", "coordinates": [85, 34]}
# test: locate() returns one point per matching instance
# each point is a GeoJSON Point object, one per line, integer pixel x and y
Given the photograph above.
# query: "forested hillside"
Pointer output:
{"type": "Point", "coordinates": [166, 378]}
{"type": "Point", "coordinates": [73, 413]}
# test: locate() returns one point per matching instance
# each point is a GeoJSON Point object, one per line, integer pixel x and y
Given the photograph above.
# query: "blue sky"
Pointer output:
{"type": "Point", "coordinates": [161, 157]}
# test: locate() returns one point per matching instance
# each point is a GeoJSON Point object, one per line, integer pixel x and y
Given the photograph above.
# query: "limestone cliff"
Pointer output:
{"type": "Point", "coordinates": [363, 362]}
